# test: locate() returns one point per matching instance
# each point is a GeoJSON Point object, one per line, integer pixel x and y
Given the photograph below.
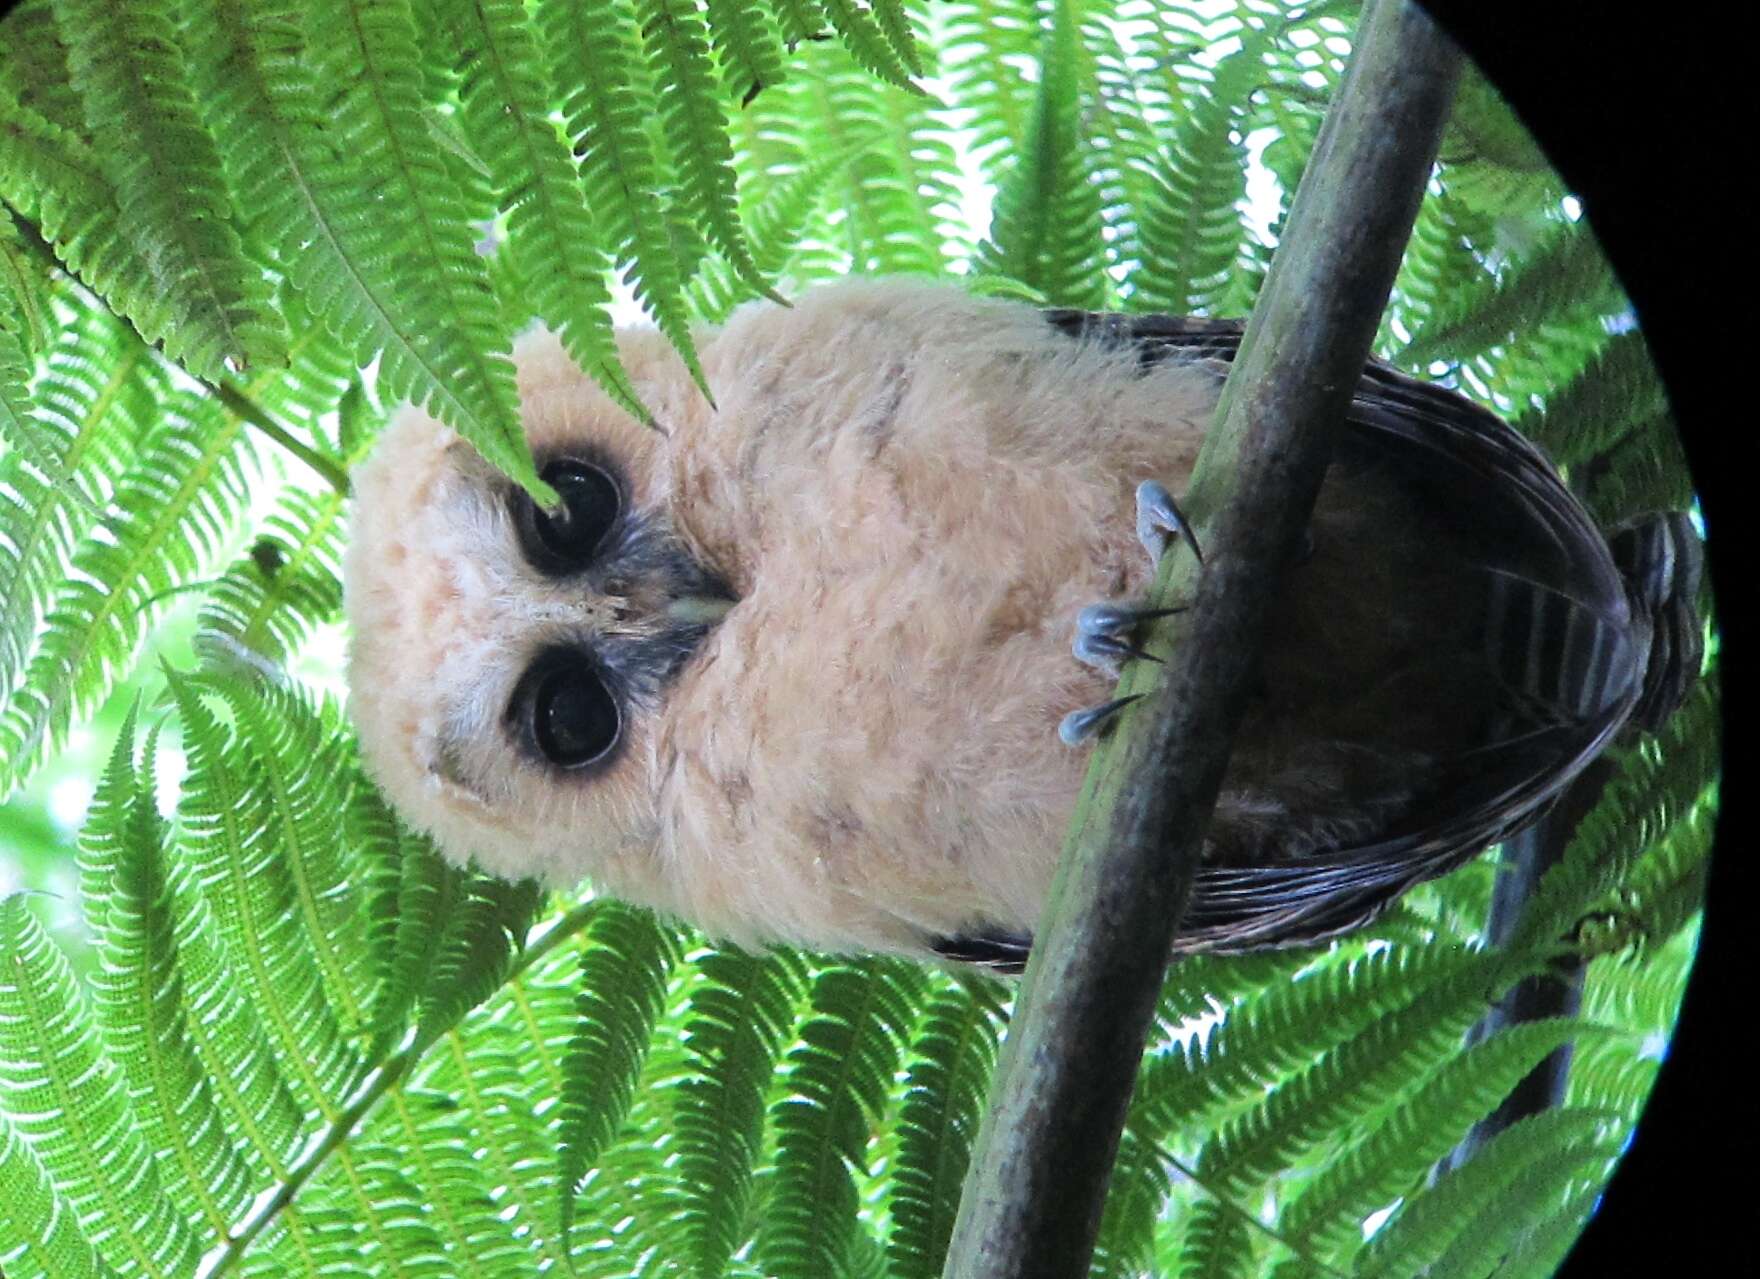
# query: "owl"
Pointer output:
{"type": "Point", "coordinates": [817, 663]}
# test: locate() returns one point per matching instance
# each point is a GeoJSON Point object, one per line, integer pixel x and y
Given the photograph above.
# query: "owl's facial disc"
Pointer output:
{"type": "Point", "coordinates": [656, 604]}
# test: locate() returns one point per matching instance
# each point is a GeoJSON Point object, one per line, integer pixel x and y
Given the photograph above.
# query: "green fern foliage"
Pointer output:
{"type": "Point", "coordinates": [616, 1013]}
{"type": "Point", "coordinates": [1046, 232]}
{"type": "Point", "coordinates": [554, 247]}
{"type": "Point", "coordinates": [741, 1008]}
{"type": "Point", "coordinates": [276, 1033]}
{"type": "Point", "coordinates": [838, 1076]}
{"type": "Point", "coordinates": [202, 299]}
{"type": "Point", "coordinates": [952, 1056]}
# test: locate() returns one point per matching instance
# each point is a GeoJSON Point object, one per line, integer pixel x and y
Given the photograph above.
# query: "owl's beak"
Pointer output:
{"type": "Point", "coordinates": [698, 610]}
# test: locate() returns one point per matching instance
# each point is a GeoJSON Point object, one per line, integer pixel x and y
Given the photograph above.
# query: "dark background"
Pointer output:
{"type": "Point", "coordinates": [1641, 116]}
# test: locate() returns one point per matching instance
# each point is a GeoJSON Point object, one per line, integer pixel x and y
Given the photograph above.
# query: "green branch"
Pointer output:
{"type": "Point", "coordinates": [1038, 1177]}
{"type": "Point", "coordinates": [246, 409]}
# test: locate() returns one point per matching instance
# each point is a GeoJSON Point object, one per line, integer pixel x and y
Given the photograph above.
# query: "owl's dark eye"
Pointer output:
{"type": "Point", "coordinates": [573, 717]}
{"type": "Point", "coordinates": [565, 539]}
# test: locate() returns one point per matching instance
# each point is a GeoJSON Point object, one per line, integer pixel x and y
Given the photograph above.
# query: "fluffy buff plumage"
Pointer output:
{"type": "Point", "coordinates": [910, 491]}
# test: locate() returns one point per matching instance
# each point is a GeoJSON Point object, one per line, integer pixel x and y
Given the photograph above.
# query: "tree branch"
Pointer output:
{"type": "Point", "coordinates": [1038, 1178]}
{"type": "Point", "coordinates": [1522, 864]}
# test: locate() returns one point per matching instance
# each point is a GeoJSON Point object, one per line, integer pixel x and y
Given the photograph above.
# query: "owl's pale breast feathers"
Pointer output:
{"type": "Point", "coordinates": [911, 492]}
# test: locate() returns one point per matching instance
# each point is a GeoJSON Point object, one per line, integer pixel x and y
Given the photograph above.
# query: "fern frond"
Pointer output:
{"type": "Point", "coordinates": [798, 20]}
{"type": "Point", "coordinates": [380, 844]}
{"type": "Point", "coordinates": [143, 1000]}
{"type": "Point", "coordinates": [259, 1108]}
{"type": "Point", "coordinates": [396, 1221]}
{"type": "Point", "coordinates": [1394, 1053]}
{"type": "Point", "coordinates": [626, 955]}
{"type": "Point", "coordinates": [837, 1080]}
{"type": "Point", "coordinates": [40, 1233]}
{"type": "Point", "coordinates": [1218, 1244]}
{"type": "Point", "coordinates": [1658, 783]}
{"type": "Point", "coordinates": [259, 901]}
{"type": "Point", "coordinates": [365, 55]}
{"type": "Point", "coordinates": [1666, 889]}
{"type": "Point", "coordinates": [426, 891]}
{"type": "Point", "coordinates": [951, 1059]}
{"type": "Point", "coordinates": [311, 174]}
{"type": "Point", "coordinates": [608, 104]}
{"type": "Point", "coordinates": [1444, 257]}
{"type": "Point", "coordinates": [776, 226]}
{"type": "Point", "coordinates": [896, 166]}
{"type": "Point", "coordinates": [1391, 1160]}
{"type": "Point", "coordinates": [556, 251]}
{"type": "Point", "coordinates": [748, 47]}
{"type": "Point", "coordinates": [1566, 278]}
{"type": "Point", "coordinates": [1200, 986]}
{"type": "Point", "coordinates": [295, 754]}
{"type": "Point", "coordinates": [982, 44]}
{"type": "Point", "coordinates": [93, 400]}
{"type": "Point", "coordinates": [1540, 1248]}
{"type": "Point", "coordinates": [203, 299]}
{"type": "Point", "coordinates": [1491, 159]}
{"type": "Point", "coordinates": [289, 583]}
{"type": "Point", "coordinates": [1562, 1183]}
{"type": "Point", "coordinates": [739, 1008]}
{"type": "Point", "coordinates": [1644, 470]}
{"type": "Point", "coordinates": [485, 1066]}
{"type": "Point", "coordinates": [101, 839]}
{"type": "Point", "coordinates": [18, 431]}
{"type": "Point", "coordinates": [24, 290]}
{"type": "Point", "coordinates": [1189, 229]}
{"type": "Point", "coordinates": [1135, 1197]}
{"type": "Point", "coordinates": [483, 933]}
{"type": "Point", "coordinates": [33, 67]}
{"type": "Point", "coordinates": [1046, 229]}
{"type": "Point", "coordinates": [1618, 393]}
{"type": "Point", "coordinates": [66, 1099]}
{"type": "Point", "coordinates": [878, 38]}
{"type": "Point", "coordinates": [53, 180]}
{"type": "Point", "coordinates": [1284, 1031]}
{"type": "Point", "coordinates": [430, 1135]}
{"type": "Point", "coordinates": [23, 331]}
{"type": "Point", "coordinates": [188, 483]}
{"type": "Point", "coordinates": [1423, 1230]}
{"type": "Point", "coordinates": [694, 122]}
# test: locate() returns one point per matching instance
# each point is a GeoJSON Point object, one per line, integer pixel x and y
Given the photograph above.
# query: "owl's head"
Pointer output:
{"type": "Point", "coordinates": [509, 663]}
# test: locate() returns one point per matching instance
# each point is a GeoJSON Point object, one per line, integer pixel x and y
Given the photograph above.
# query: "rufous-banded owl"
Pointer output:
{"type": "Point", "coordinates": [793, 666]}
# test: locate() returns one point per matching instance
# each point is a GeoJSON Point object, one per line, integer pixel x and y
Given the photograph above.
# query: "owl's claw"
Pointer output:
{"type": "Point", "coordinates": [1103, 634]}
{"type": "Point", "coordinates": [1080, 727]}
{"type": "Point", "coordinates": [1158, 517]}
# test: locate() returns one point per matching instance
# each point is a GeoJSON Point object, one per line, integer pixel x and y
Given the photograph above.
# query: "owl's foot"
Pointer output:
{"type": "Point", "coordinates": [1104, 635]}
{"type": "Point", "coordinates": [1158, 519]}
{"type": "Point", "coordinates": [1080, 727]}
{"type": "Point", "coordinates": [1104, 640]}
{"type": "Point", "coordinates": [1105, 632]}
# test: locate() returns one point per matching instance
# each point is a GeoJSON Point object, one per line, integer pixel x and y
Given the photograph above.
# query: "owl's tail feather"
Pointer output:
{"type": "Point", "coordinates": [1661, 559]}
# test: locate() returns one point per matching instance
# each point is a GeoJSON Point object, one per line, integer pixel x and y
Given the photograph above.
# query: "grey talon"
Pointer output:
{"type": "Point", "coordinates": [1103, 634]}
{"type": "Point", "coordinates": [1117, 619]}
{"type": "Point", "coordinates": [1107, 651]}
{"type": "Point", "coordinates": [1159, 515]}
{"type": "Point", "coordinates": [1079, 726]}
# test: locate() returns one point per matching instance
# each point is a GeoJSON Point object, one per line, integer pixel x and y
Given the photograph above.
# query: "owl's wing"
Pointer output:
{"type": "Point", "coordinates": [1561, 636]}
